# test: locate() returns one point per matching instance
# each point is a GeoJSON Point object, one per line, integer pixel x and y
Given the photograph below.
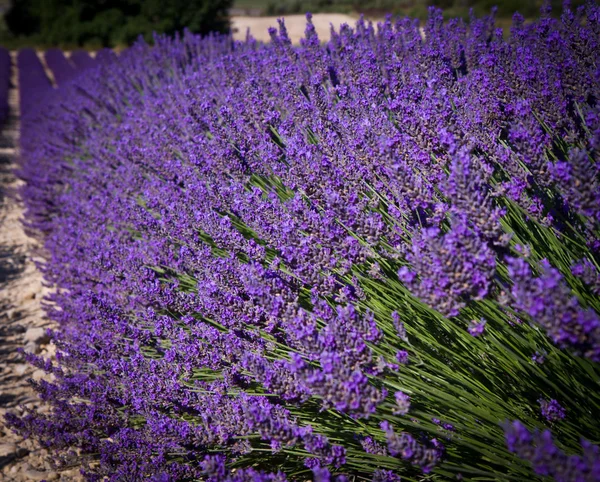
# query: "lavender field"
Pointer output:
{"type": "Point", "coordinates": [369, 257]}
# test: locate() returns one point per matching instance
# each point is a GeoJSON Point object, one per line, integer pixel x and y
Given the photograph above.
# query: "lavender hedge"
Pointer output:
{"type": "Point", "coordinates": [105, 55]}
{"type": "Point", "coordinates": [370, 259]}
{"type": "Point", "coordinates": [81, 59]}
{"type": "Point", "coordinates": [5, 74]}
{"type": "Point", "coordinates": [33, 82]}
{"type": "Point", "coordinates": [62, 70]}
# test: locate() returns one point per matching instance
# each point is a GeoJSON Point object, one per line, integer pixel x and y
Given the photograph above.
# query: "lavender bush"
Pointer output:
{"type": "Point", "coordinates": [33, 82]}
{"type": "Point", "coordinates": [62, 70]}
{"type": "Point", "coordinates": [81, 59]}
{"type": "Point", "coordinates": [364, 260]}
{"type": "Point", "coordinates": [104, 55]}
{"type": "Point", "coordinates": [5, 73]}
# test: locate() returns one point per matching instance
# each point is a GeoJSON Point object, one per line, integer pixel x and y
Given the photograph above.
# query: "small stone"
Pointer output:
{"type": "Point", "coordinates": [31, 347]}
{"type": "Point", "coordinates": [8, 449]}
{"type": "Point", "coordinates": [36, 335]}
{"type": "Point", "coordinates": [32, 474]}
{"type": "Point", "coordinates": [50, 351]}
{"type": "Point", "coordinates": [19, 328]}
{"type": "Point", "coordinates": [70, 475]}
{"type": "Point", "coordinates": [20, 369]}
{"type": "Point", "coordinates": [13, 314]}
{"type": "Point", "coordinates": [38, 375]}
{"type": "Point", "coordinates": [19, 467]}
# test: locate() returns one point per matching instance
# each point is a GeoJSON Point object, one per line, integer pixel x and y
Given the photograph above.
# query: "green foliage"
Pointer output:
{"type": "Point", "coordinates": [107, 23]}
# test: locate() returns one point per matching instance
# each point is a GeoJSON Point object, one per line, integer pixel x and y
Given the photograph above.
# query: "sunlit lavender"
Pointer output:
{"type": "Point", "coordinates": [369, 258]}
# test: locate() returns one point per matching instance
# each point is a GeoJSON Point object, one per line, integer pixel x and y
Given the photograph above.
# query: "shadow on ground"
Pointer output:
{"type": "Point", "coordinates": [11, 263]}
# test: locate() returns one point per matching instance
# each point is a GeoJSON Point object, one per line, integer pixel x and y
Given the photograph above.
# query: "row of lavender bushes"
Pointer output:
{"type": "Point", "coordinates": [35, 85]}
{"type": "Point", "coordinates": [367, 259]}
{"type": "Point", "coordinates": [63, 69]}
{"type": "Point", "coordinates": [5, 74]}
{"type": "Point", "coordinates": [33, 82]}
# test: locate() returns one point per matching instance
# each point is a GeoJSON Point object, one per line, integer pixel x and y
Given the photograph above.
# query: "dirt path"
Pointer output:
{"type": "Point", "coordinates": [22, 322]}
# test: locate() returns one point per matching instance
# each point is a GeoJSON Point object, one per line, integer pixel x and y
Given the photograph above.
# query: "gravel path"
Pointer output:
{"type": "Point", "coordinates": [22, 322]}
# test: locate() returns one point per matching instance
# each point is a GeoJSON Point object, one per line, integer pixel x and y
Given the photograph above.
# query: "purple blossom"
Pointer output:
{"type": "Point", "coordinates": [399, 325]}
{"type": "Point", "coordinates": [579, 182]}
{"type": "Point", "coordinates": [402, 403]}
{"type": "Point", "coordinates": [588, 273]}
{"type": "Point", "coordinates": [406, 446]}
{"type": "Point", "coordinates": [321, 474]}
{"type": "Point", "coordinates": [402, 357]}
{"type": "Point", "coordinates": [5, 74]}
{"type": "Point", "coordinates": [477, 328]}
{"type": "Point", "coordinates": [547, 459]}
{"type": "Point", "coordinates": [538, 357]}
{"type": "Point", "coordinates": [372, 447]}
{"type": "Point", "coordinates": [551, 410]}
{"type": "Point", "coordinates": [549, 302]}
{"type": "Point", "coordinates": [381, 475]}
{"type": "Point", "coordinates": [448, 426]}
{"type": "Point", "coordinates": [452, 268]}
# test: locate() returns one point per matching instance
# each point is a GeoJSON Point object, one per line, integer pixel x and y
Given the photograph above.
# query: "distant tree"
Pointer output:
{"type": "Point", "coordinates": [20, 14]}
{"type": "Point", "coordinates": [110, 22]}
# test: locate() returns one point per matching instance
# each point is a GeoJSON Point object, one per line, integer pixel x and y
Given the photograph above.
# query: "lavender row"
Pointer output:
{"type": "Point", "coordinates": [5, 75]}
{"type": "Point", "coordinates": [105, 55]}
{"type": "Point", "coordinates": [62, 70]}
{"type": "Point", "coordinates": [356, 259]}
{"type": "Point", "coordinates": [81, 59]}
{"type": "Point", "coordinates": [33, 82]}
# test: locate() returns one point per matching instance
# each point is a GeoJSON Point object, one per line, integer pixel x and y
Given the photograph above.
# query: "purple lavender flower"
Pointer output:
{"type": "Point", "coordinates": [399, 325]}
{"type": "Point", "coordinates": [579, 182]}
{"type": "Point", "coordinates": [402, 403]}
{"type": "Point", "coordinates": [406, 447]}
{"type": "Point", "coordinates": [549, 302]}
{"type": "Point", "coordinates": [547, 459]}
{"type": "Point", "coordinates": [586, 271]}
{"type": "Point", "coordinates": [402, 357]}
{"type": "Point", "coordinates": [477, 327]}
{"type": "Point", "coordinates": [381, 475]}
{"type": "Point", "coordinates": [321, 474]}
{"type": "Point", "coordinates": [448, 426]}
{"type": "Point", "coordinates": [538, 357]}
{"type": "Point", "coordinates": [452, 268]}
{"type": "Point", "coordinates": [372, 447]}
{"type": "Point", "coordinates": [551, 410]}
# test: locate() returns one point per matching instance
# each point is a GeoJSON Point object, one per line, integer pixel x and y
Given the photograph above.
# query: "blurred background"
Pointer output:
{"type": "Point", "coordinates": [93, 24]}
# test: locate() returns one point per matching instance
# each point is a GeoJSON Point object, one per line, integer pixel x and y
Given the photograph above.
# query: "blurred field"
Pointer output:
{"type": "Point", "coordinates": [295, 25]}
{"type": "Point", "coordinates": [113, 28]}
{"type": "Point", "coordinates": [412, 8]}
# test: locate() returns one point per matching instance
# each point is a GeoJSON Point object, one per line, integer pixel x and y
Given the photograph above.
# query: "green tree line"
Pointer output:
{"type": "Point", "coordinates": [107, 23]}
